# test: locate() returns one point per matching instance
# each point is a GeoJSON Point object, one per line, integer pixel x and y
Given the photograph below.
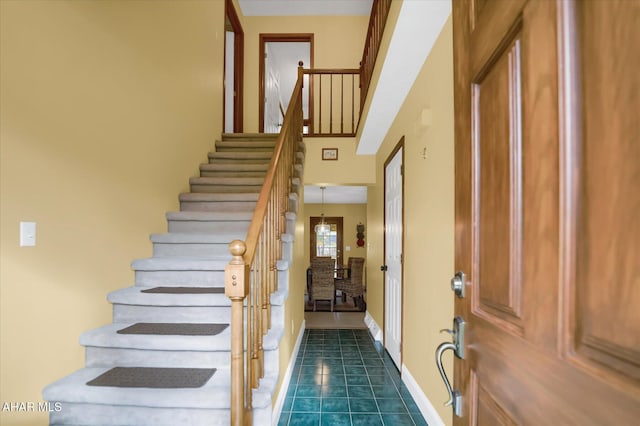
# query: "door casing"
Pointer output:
{"type": "Point", "coordinates": [285, 38]}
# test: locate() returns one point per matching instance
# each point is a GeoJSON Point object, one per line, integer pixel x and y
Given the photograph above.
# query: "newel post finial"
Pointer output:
{"type": "Point", "coordinates": [237, 249]}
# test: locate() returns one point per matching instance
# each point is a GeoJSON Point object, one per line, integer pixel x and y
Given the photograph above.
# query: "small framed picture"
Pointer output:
{"type": "Point", "coordinates": [329, 153]}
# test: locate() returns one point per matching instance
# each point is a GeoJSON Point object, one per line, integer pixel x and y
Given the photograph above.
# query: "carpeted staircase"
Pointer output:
{"type": "Point", "coordinates": [165, 358]}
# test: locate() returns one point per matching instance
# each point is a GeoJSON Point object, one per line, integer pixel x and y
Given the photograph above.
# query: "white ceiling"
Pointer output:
{"type": "Point", "coordinates": [305, 7]}
{"type": "Point", "coordinates": [335, 194]}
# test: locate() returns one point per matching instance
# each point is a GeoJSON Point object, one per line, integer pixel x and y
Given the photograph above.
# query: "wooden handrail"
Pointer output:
{"type": "Point", "coordinates": [332, 71]}
{"type": "Point", "coordinates": [377, 22]}
{"type": "Point", "coordinates": [252, 272]}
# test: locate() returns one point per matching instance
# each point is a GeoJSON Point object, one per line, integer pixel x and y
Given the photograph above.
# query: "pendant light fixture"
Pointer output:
{"type": "Point", "coordinates": [322, 227]}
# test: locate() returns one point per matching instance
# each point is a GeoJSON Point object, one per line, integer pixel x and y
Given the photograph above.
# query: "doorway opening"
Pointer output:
{"type": "Point", "coordinates": [280, 55]}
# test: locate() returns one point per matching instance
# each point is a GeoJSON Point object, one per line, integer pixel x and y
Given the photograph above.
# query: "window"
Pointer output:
{"type": "Point", "coordinates": [326, 244]}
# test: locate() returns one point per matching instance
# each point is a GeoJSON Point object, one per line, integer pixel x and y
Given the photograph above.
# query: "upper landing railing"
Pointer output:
{"type": "Point", "coordinates": [336, 96]}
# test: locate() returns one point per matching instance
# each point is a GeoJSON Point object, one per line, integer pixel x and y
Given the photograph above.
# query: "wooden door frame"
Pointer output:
{"type": "Point", "coordinates": [238, 69]}
{"type": "Point", "coordinates": [285, 38]}
{"type": "Point", "coordinates": [398, 147]}
{"type": "Point", "coordinates": [339, 220]}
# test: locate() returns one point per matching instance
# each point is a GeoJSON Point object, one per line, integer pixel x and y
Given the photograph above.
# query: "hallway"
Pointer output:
{"type": "Point", "coordinates": [344, 377]}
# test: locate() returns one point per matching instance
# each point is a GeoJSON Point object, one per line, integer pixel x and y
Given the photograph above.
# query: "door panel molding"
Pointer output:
{"type": "Point", "coordinates": [490, 412]}
{"type": "Point", "coordinates": [497, 162]}
{"type": "Point", "coordinates": [600, 330]}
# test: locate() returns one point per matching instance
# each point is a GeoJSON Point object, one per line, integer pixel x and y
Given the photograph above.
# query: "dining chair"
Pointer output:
{"type": "Point", "coordinates": [322, 284]}
{"type": "Point", "coordinates": [353, 286]}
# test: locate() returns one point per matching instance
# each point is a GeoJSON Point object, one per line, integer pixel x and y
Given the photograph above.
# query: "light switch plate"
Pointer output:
{"type": "Point", "coordinates": [27, 234]}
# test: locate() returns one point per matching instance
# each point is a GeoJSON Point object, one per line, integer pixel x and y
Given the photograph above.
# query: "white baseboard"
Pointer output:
{"type": "Point", "coordinates": [427, 409]}
{"type": "Point", "coordinates": [286, 379]}
{"type": "Point", "coordinates": [373, 327]}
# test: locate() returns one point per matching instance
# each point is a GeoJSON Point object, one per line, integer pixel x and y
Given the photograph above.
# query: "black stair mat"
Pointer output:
{"type": "Point", "coordinates": [185, 290]}
{"type": "Point", "coordinates": [149, 377]}
{"type": "Point", "coordinates": [180, 329]}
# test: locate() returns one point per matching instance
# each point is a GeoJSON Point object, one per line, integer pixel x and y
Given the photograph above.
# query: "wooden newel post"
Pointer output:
{"type": "Point", "coordinates": [236, 288]}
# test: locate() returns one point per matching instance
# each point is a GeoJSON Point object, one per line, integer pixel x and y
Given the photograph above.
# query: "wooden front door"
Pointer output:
{"type": "Point", "coordinates": [547, 101]}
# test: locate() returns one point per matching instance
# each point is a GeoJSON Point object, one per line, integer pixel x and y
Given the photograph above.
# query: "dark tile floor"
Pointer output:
{"type": "Point", "coordinates": [344, 377]}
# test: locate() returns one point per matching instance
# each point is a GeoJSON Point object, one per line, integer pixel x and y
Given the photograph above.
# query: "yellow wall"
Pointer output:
{"type": "Point", "coordinates": [428, 220]}
{"type": "Point", "coordinates": [345, 32]}
{"type": "Point", "coordinates": [107, 108]}
{"type": "Point", "coordinates": [348, 169]}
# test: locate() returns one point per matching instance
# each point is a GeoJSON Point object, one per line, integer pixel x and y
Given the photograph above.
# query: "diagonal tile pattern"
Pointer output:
{"type": "Point", "coordinates": [344, 377]}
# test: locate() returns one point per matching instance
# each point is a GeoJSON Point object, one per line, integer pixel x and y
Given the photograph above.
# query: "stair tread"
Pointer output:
{"type": "Point", "coordinates": [213, 263]}
{"type": "Point", "coordinates": [250, 136]}
{"type": "Point", "coordinates": [258, 145]}
{"type": "Point", "coordinates": [107, 337]}
{"type": "Point", "coordinates": [227, 180]}
{"type": "Point", "coordinates": [215, 394]}
{"type": "Point", "coordinates": [134, 296]}
{"type": "Point", "coordinates": [210, 216]}
{"type": "Point", "coordinates": [266, 155]}
{"type": "Point", "coordinates": [263, 167]}
{"type": "Point", "coordinates": [215, 196]}
{"type": "Point", "coordinates": [195, 238]}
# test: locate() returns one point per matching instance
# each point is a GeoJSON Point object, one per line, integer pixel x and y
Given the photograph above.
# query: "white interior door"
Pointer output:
{"type": "Point", "coordinates": [393, 258]}
{"type": "Point", "coordinates": [272, 97]}
{"type": "Point", "coordinates": [282, 53]}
